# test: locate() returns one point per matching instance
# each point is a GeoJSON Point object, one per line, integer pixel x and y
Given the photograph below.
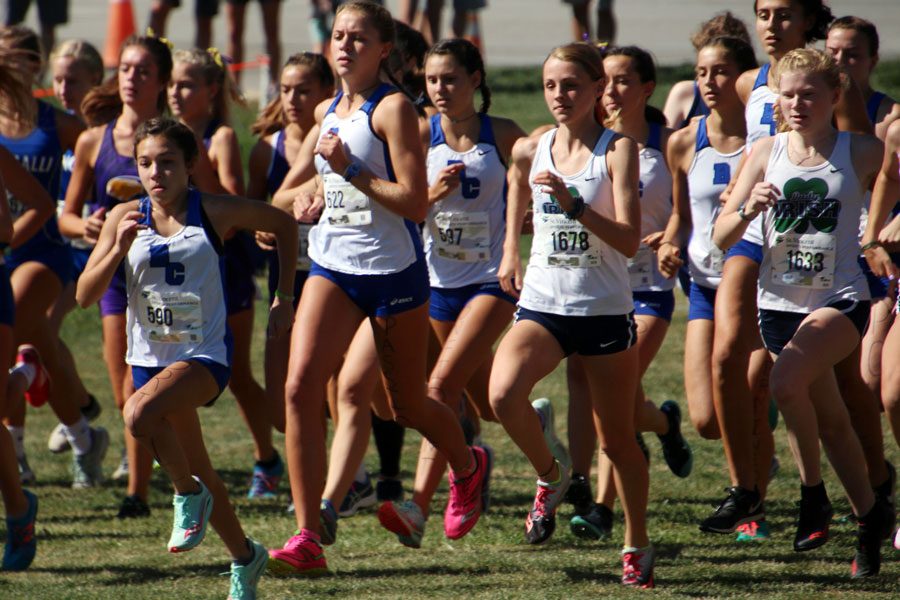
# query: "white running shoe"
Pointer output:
{"type": "Point", "coordinates": [58, 443]}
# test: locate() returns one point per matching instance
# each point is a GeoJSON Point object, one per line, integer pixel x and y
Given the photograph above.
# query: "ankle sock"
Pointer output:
{"type": "Point", "coordinates": [79, 436]}
{"type": "Point", "coordinates": [27, 370]}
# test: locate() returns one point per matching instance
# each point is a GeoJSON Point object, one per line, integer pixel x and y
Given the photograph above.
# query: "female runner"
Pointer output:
{"type": "Point", "coordinates": [367, 262]}
{"type": "Point", "coordinates": [179, 346]}
{"type": "Point", "coordinates": [467, 156]}
{"type": "Point", "coordinates": [575, 297]}
{"type": "Point", "coordinates": [809, 183]}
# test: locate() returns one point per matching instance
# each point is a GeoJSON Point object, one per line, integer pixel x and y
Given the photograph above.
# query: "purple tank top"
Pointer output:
{"type": "Point", "coordinates": [115, 176]}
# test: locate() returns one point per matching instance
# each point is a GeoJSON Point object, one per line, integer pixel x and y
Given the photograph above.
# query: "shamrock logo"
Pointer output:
{"type": "Point", "coordinates": [806, 202]}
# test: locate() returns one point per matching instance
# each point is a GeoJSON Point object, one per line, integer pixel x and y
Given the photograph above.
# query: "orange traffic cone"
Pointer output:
{"type": "Point", "coordinates": [119, 26]}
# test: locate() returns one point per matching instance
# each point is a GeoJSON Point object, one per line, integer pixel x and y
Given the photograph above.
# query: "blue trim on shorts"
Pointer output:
{"type": "Point", "coordinates": [702, 302]}
{"type": "Point", "coordinates": [384, 294]}
{"type": "Point", "coordinates": [878, 286]}
{"type": "Point", "coordinates": [80, 257]}
{"type": "Point", "coordinates": [448, 303]}
{"type": "Point", "coordinates": [654, 304]}
{"type": "Point", "coordinates": [586, 335]}
{"type": "Point", "coordinates": [55, 257]}
{"type": "Point", "coordinates": [748, 249]}
{"type": "Point", "coordinates": [221, 373]}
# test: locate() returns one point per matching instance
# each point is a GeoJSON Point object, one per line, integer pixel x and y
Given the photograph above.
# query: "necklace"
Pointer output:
{"type": "Point", "coordinates": [464, 119]}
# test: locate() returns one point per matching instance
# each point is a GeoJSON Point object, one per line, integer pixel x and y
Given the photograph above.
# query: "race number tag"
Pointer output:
{"type": "Point", "coordinates": [640, 267]}
{"type": "Point", "coordinates": [804, 260]}
{"type": "Point", "coordinates": [462, 236]}
{"type": "Point", "coordinates": [344, 204]}
{"type": "Point", "coordinates": [171, 317]}
{"type": "Point", "coordinates": [563, 242]}
{"type": "Point", "coordinates": [304, 263]}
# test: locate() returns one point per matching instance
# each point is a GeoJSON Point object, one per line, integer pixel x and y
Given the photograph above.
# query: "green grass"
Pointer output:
{"type": "Point", "coordinates": [85, 552]}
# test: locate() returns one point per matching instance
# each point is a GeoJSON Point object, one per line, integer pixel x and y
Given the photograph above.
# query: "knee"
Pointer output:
{"type": "Point", "coordinates": [785, 389]}
{"type": "Point", "coordinates": [405, 416]}
{"type": "Point", "coordinates": [139, 419]}
{"type": "Point", "coordinates": [707, 426]}
{"type": "Point", "coordinates": [615, 447]}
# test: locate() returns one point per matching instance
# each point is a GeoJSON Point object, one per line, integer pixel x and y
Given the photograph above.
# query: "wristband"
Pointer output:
{"type": "Point", "coordinates": [351, 171]}
{"type": "Point", "coordinates": [577, 210]}
{"type": "Point", "coordinates": [744, 216]}
{"type": "Point", "coordinates": [870, 245]}
{"type": "Point", "coordinates": [282, 296]}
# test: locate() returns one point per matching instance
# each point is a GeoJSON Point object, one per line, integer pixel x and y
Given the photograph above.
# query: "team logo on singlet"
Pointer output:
{"type": "Point", "coordinates": [552, 207]}
{"type": "Point", "coordinates": [806, 203]}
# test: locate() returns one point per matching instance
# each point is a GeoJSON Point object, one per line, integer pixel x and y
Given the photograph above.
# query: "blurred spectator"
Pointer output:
{"type": "Point", "coordinates": [50, 14]}
{"type": "Point", "coordinates": [581, 20]}
{"type": "Point", "coordinates": [429, 21]}
{"type": "Point", "coordinates": [204, 11]}
{"type": "Point", "coordinates": [235, 13]}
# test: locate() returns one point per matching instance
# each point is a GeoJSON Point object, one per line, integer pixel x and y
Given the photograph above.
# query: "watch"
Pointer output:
{"type": "Point", "coordinates": [351, 171]}
{"type": "Point", "coordinates": [744, 216]}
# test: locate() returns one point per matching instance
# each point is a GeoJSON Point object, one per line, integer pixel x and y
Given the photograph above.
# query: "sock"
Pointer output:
{"type": "Point", "coordinates": [79, 436]}
{"type": "Point", "coordinates": [27, 370]}
{"type": "Point", "coordinates": [814, 493]}
{"type": "Point", "coordinates": [389, 442]}
{"type": "Point", "coordinates": [268, 464]}
{"type": "Point", "coordinates": [361, 474]}
{"type": "Point", "coordinates": [18, 437]}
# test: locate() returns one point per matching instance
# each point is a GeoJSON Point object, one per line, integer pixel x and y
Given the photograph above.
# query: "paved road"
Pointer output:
{"type": "Point", "coordinates": [516, 32]}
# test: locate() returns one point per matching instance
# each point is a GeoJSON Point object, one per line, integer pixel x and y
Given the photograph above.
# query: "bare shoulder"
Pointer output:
{"type": "Point", "coordinates": [682, 141]}
{"type": "Point", "coordinates": [745, 83]}
{"type": "Point", "coordinates": [526, 147]}
{"type": "Point", "coordinates": [322, 108]}
{"type": "Point", "coordinates": [119, 210]}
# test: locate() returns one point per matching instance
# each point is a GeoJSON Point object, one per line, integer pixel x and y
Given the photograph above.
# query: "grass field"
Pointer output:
{"type": "Point", "coordinates": [85, 552]}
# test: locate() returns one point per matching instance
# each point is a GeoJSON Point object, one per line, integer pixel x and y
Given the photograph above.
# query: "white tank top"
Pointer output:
{"type": "Point", "coordinates": [656, 208]}
{"type": "Point", "coordinates": [708, 176]}
{"type": "Point", "coordinates": [176, 298]}
{"type": "Point", "coordinates": [464, 231]}
{"type": "Point", "coordinates": [356, 234]}
{"type": "Point", "coordinates": [571, 271]}
{"type": "Point", "coordinates": [811, 243]}
{"type": "Point", "coordinates": [760, 117]}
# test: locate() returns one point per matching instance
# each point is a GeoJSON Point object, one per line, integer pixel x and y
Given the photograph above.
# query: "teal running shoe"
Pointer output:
{"type": "Point", "coordinates": [21, 543]}
{"type": "Point", "coordinates": [191, 519]}
{"type": "Point", "coordinates": [244, 578]}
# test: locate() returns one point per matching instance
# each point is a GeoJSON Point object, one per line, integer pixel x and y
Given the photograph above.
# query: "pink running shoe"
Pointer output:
{"type": "Point", "coordinates": [302, 556]}
{"type": "Point", "coordinates": [464, 505]}
{"type": "Point", "coordinates": [637, 567]}
{"type": "Point", "coordinates": [39, 390]}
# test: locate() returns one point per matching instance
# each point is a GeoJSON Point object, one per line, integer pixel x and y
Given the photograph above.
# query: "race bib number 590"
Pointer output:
{"type": "Point", "coordinates": [171, 317]}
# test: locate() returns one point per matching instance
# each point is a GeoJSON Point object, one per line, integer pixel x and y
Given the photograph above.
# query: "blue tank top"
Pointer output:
{"type": "Point", "coordinates": [873, 105]}
{"type": "Point", "coordinates": [278, 166]}
{"type": "Point", "coordinates": [115, 176]}
{"type": "Point", "coordinates": [698, 107]}
{"type": "Point", "coordinates": [211, 130]}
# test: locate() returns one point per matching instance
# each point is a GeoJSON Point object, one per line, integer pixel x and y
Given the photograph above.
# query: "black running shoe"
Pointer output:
{"type": "Point", "coordinates": [869, 536]}
{"type": "Point", "coordinates": [596, 524]}
{"type": "Point", "coordinates": [739, 507]}
{"type": "Point", "coordinates": [92, 410]}
{"type": "Point", "coordinates": [579, 494]}
{"type": "Point", "coordinates": [813, 524]}
{"type": "Point", "coordinates": [675, 448]}
{"type": "Point", "coordinates": [133, 507]}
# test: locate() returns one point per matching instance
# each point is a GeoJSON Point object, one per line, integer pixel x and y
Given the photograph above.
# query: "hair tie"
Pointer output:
{"type": "Point", "coordinates": [216, 56]}
{"type": "Point", "coordinates": [152, 34]}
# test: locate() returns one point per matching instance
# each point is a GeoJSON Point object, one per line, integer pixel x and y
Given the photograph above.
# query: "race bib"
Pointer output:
{"type": "Point", "coordinates": [563, 242]}
{"type": "Point", "coordinates": [804, 260]}
{"type": "Point", "coordinates": [171, 317]}
{"type": "Point", "coordinates": [640, 267]}
{"type": "Point", "coordinates": [304, 263]}
{"type": "Point", "coordinates": [462, 236]}
{"type": "Point", "coordinates": [345, 205]}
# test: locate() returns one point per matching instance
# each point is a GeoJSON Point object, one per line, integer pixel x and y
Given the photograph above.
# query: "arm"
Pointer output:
{"type": "Point", "coordinates": [39, 206]}
{"type": "Point", "coordinates": [6, 224]}
{"type": "Point", "coordinates": [679, 102]}
{"type": "Point", "coordinates": [68, 128]}
{"type": "Point", "coordinates": [258, 168]}
{"type": "Point", "coordinates": [227, 161]}
{"type": "Point", "coordinates": [750, 189]}
{"type": "Point", "coordinates": [887, 190]}
{"type": "Point", "coordinates": [303, 169]}
{"type": "Point", "coordinates": [518, 198]}
{"type": "Point", "coordinates": [71, 223]}
{"type": "Point", "coordinates": [119, 230]}
{"type": "Point", "coordinates": [680, 152]}
{"type": "Point", "coordinates": [203, 173]}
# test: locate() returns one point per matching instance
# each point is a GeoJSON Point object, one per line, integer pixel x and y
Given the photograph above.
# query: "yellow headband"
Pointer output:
{"type": "Point", "coordinates": [152, 34]}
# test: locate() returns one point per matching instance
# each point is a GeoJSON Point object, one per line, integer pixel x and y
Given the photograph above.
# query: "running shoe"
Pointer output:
{"type": "Point", "coordinates": [191, 518]}
{"type": "Point", "coordinates": [87, 469]}
{"type": "Point", "coordinates": [245, 577]}
{"type": "Point", "coordinates": [133, 507]}
{"type": "Point", "coordinates": [544, 408]}
{"type": "Point", "coordinates": [21, 543]}
{"type": "Point", "coordinates": [405, 520]}
{"type": "Point", "coordinates": [739, 507]}
{"type": "Point", "coordinates": [486, 485]}
{"type": "Point", "coordinates": [389, 489]}
{"type": "Point", "coordinates": [26, 474]}
{"type": "Point", "coordinates": [121, 471]}
{"type": "Point", "coordinates": [464, 504]}
{"type": "Point", "coordinates": [596, 524]}
{"type": "Point", "coordinates": [541, 520]}
{"type": "Point", "coordinates": [58, 442]}
{"type": "Point", "coordinates": [264, 483]}
{"type": "Point", "coordinates": [39, 390]}
{"type": "Point", "coordinates": [675, 448]}
{"type": "Point", "coordinates": [328, 522]}
{"type": "Point", "coordinates": [302, 555]}
{"type": "Point", "coordinates": [360, 495]}
{"type": "Point", "coordinates": [869, 536]}
{"type": "Point", "coordinates": [579, 494]}
{"type": "Point", "coordinates": [637, 567]}
{"type": "Point", "coordinates": [754, 531]}
{"type": "Point", "coordinates": [812, 524]}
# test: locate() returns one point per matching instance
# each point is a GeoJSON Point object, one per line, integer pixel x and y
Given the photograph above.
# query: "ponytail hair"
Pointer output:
{"type": "Point", "coordinates": [16, 101]}
{"type": "Point", "coordinates": [272, 117]}
{"type": "Point", "coordinates": [722, 25]}
{"type": "Point", "coordinates": [466, 54]}
{"type": "Point", "coordinates": [103, 103]}
{"type": "Point", "coordinates": [212, 68]}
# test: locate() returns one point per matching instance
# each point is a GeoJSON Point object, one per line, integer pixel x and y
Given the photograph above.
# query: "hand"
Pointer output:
{"type": "Point", "coordinates": [265, 240]}
{"type": "Point", "coordinates": [654, 240]}
{"type": "Point", "coordinates": [93, 224]}
{"type": "Point", "coordinates": [127, 230]}
{"type": "Point", "coordinates": [763, 196]}
{"type": "Point", "coordinates": [447, 181]}
{"type": "Point", "coordinates": [555, 186]}
{"type": "Point", "coordinates": [880, 263]}
{"type": "Point", "coordinates": [308, 207]}
{"type": "Point", "coordinates": [668, 259]}
{"type": "Point", "coordinates": [331, 148]}
{"type": "Point", "coordinates": [281, 318]}
{"type": "Point", "coordinates": [510, 273]}
{"type": "Point", "coordinates": [890, 235]}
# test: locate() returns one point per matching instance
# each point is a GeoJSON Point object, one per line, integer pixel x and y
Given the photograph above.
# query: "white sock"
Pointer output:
{"type": "Point", "coordinates": [361, 473]}
{"type": "Point", "coordinates": [27, 370]}
{"type": "Point", "coordinates": [79, 436]}
{"type": "Point", "coordinates": [18, 437]}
